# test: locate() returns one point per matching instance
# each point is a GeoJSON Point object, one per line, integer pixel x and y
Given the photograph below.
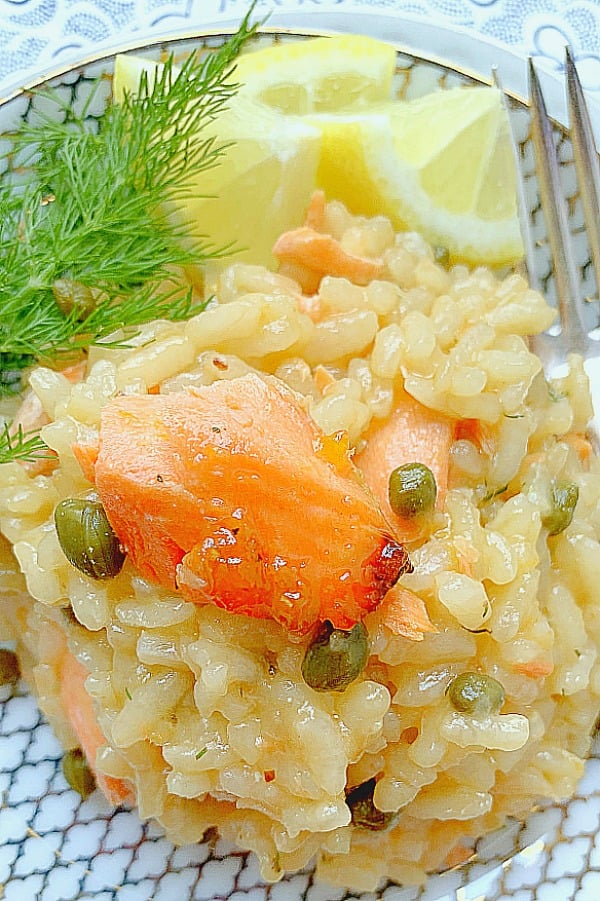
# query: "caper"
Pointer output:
{"type": "Point", "coordinates": [441, 255]}
{"type": "Point", "coordinates": [412, 490]}
{"type": "Point", "coordinates": [476, 694]}
{"type": "Point", "coordinates": [564, 500]}
{"type": "Point", "coordinates": [9, 667]}
{"type": "Point", "coordinates": [74, 296]}
{"type": "Point", "coordinates": [78, 773]}
{"type": "Point", "coordinates": [363, 810]}
{"type": "Point", "coordinates": [335, 657]}
{"type": "Point", "coordinates": [87, 539]}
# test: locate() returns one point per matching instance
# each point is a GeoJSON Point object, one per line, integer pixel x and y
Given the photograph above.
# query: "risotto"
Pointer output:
{"type": "Point", "coordinates": [477, 688]}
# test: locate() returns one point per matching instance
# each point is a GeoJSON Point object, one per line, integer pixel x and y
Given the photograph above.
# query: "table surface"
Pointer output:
{"type": "Point", "coordinates": [37, 36]}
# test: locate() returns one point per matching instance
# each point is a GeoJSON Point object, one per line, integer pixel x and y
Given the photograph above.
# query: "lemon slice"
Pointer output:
{"type": "Point", "coordinates": [318, 75]}
{"type": "Point", "coordinates": [442, 165]}
{"type": "Point", "coordinates": [262, 183]}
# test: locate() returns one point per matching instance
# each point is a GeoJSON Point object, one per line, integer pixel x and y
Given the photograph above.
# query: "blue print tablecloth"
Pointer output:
{"type": "Point", "coordinates": [38, 35]}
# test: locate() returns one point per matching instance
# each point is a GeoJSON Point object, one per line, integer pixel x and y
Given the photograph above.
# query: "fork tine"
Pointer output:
{"type": "Point", "coordinates": [557, 217]}
{"type": "Point", "coordinates": [586, 160]}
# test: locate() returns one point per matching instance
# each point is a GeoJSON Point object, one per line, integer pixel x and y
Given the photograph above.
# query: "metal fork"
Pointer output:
{"type": "Point", "coordinates": [572, 336]}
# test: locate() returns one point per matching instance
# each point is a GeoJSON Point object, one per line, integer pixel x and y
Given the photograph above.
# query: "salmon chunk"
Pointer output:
{"type": "Point", "coordinates": [230, 495]}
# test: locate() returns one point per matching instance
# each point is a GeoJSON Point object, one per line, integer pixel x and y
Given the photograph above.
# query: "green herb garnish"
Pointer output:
{"type": "Point", "coordinates": [494, 492]}
{"type": "Point", "coordinates": [87, 242]}
{"type": "Point", "coordinates": [555, 394]}
{"type": "Point", "coordinates": [564, 496]}
{"type": "Point", "coordinates": [21, 445]}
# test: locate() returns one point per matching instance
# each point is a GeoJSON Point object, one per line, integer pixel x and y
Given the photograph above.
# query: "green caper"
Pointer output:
{"type": "Point", "coordinates": [412, 490]}
{"type": "Point", "coordinates": [87, 539]}
{"type": "Point", "coordinates": [9, 667]}
{"type": "Point", "coordinates": [74, 296]}
{"type": "Point", "coordinates": [441, 255]}
{"type": "Point", "coordinates": [363, 810]}
{"type": "Point", "coordinates": [77, 772]}
{"type": "Point", "coordinates": [476, 694]}
{"type": "Point", "coordinates": [335, 657]}
{"type": "Point", "coordinates": [564, 500]}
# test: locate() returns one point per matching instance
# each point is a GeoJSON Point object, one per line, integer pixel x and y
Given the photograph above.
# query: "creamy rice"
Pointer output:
{"type": "Point", "coordinates": [206, 714]}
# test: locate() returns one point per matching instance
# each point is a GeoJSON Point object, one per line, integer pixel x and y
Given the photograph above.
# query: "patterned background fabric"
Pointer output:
{"type": "Point", "coordinates": [36, 35]}
{"type": "Point", "coordinates": [40, 35]}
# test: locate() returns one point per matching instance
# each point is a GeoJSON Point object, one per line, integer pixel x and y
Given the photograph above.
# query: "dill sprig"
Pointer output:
{"type": "Point", "coordinates": [88, 243]}
{"type": "Point", "coordinates": [21, 445]}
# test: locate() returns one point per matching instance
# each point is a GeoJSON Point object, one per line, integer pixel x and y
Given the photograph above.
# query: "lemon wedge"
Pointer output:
{"type": "Point", "coordinates": [342, 72]}
{"type": "Point", "coordinates": [262, 183]}
{"type": "Point", "coordinates": [128, 71]}
{"type": "Point", "coordinates": [318, 113]}
{"type": "Point", "coordinates": [442, 165]}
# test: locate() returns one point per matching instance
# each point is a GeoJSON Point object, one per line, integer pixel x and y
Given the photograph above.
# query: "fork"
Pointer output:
{"type": "Point", "coordinates": [572, 335]}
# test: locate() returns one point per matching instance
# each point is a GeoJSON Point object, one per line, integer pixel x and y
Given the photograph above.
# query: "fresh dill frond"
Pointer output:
{"type": "Point", "coordinates": [88, 243]}
{"type": "Point", "coordinates": [20, 445]}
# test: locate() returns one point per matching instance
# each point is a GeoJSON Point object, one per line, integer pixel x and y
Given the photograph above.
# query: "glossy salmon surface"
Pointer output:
{"type": "Point", "coordinates": [230, 494]}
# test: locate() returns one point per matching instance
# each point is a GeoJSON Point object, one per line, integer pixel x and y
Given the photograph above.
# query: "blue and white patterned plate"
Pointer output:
{"type": "Point", "coordinates": [53, 847]}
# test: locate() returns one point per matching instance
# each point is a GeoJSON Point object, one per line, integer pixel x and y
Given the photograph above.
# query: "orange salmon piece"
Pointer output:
{"type": "Point", "coordinates": [225, 494]}
{"type": "Point", "coordinates": [75, 372]}
{"type": "Point", "coordinates": [319, 254]}
{"type": "Point", "coordinates": [86, 455]}
{"type": "Point", "coordinates": [458, 855]}
{"type": "Point", "coordinates": [412, 434]}
{"type": "Point", "coordinates": [477, 432]}
{"type": "Point", "coordinates": [79, 710]}
{"type": "Point", "coordinates": [315, 214]}
{"type": "Point", "coordinates": [311, 305]}
{"type": "Point", "coordinates": [581, 446]}
{"type": "Point", "coordinates": [405, 613]}
{"type": "Point", "coordinates": [535, 669]}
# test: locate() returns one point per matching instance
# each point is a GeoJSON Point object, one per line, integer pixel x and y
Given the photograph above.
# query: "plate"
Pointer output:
{"type": "Point", "coordinates": [54, 847]}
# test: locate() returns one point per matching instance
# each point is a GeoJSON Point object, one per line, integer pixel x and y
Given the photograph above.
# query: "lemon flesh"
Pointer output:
{"type": "Point", "coordinates": [318, 75]}
{"type": "Point", "coordinates": [128, 71]}
{"type": "Point", "coordinates": [261, 184]}
{"type": "Point", "coordinates": [442, 165]}
{"type": "Point", "coordinates": [318, 113]}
